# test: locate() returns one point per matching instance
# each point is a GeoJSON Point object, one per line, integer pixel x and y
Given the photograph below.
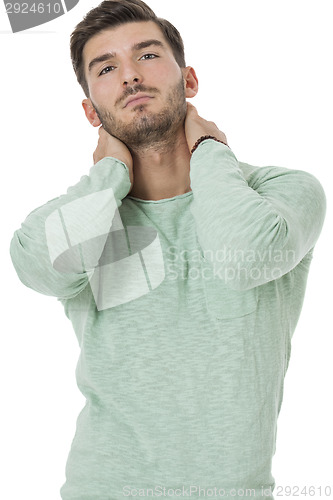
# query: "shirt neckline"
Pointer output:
{"type": "Point", "coordinates": [164, 200]}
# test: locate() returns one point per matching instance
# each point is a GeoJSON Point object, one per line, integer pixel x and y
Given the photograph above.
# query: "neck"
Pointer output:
{"type": "Point", "coordinates": [162, 170]}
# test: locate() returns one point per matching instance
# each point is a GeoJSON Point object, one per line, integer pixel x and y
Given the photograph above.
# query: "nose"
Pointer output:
{"type": "Point", "coordinates": [129, 81]}
{"type": "Point", "coordinates": [131, 75]}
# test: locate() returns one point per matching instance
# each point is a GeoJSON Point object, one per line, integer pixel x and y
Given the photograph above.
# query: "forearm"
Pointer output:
{"type": "Point", "coordinates": [263, 226]}
{"type": "Point", "coordinates": [59, 244]}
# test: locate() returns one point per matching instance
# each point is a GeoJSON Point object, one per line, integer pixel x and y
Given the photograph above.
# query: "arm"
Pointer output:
{"type": "Point", "coordinates": [59, 244]}
{"type": "Point", "coordinates": [257, 230]}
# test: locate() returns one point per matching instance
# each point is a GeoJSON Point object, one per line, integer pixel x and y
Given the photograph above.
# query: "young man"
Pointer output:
{"type": "Point", "coordinates": [182, 270]}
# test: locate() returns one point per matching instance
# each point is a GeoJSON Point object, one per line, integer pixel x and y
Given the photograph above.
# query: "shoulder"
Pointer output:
{"type": "Point", "coordinates": [255, 176]}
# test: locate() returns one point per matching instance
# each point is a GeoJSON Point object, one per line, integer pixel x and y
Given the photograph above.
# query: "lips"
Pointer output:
{"type": "Point", "coordinates": [137, 98]}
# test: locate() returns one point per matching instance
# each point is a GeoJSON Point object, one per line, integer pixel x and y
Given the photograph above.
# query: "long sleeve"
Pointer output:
{"type": "Point", "coordinates": [257, 229]}
{"type": "Point", "coordinates": [59, 244]}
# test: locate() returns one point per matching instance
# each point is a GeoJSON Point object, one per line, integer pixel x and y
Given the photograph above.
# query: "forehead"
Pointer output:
{"type": "Point", "coordinates": [120, 39]}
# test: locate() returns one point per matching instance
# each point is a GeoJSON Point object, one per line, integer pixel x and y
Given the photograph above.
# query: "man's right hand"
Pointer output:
{"type": "Point", "coordinates": [108, 145]}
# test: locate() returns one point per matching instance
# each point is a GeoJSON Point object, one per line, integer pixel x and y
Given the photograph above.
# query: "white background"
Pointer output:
{"type": "Point", "coordinates": [265, 78]}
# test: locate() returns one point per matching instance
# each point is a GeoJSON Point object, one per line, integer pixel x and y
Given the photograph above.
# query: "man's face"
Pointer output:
{"type": "Point", "coordinates": [133, 61]}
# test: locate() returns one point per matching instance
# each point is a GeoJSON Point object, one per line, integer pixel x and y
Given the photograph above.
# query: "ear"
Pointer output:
{"type": "Point", "coordinates": [91, 113]}
{"type": "Point", "coordinates": [191, 82]}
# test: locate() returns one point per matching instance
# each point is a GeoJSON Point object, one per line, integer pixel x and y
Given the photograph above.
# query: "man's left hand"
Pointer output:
{"type": "Point", "coordinates": [196, 127]}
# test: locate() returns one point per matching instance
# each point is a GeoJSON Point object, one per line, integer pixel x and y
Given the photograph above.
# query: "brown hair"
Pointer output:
{"type": "Point", "coordinates": [112, 13]}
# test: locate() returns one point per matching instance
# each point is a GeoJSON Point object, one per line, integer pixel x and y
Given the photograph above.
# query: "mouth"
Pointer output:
{"type": "Point", "coordinates": [137, 99]}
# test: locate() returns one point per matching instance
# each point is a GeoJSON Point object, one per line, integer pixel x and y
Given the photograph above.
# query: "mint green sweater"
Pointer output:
{"type": "Point", "coordinates": [184, 309]}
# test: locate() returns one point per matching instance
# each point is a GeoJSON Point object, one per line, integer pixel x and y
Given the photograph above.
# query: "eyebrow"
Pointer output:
{"type": "Point", "coordinates": [136, 47]}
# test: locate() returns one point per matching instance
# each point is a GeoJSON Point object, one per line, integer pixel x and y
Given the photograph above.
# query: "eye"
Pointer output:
{"type": "Point", "coordinates": [148, 56]}
{"type": "Point", "coordinates": [105, 70]}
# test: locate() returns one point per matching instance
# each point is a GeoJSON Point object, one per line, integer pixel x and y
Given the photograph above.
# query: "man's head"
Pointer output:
{"type": "Point", "coordinates": [111, 14]}
{"type": "Point", "coordinates": [122, 51]}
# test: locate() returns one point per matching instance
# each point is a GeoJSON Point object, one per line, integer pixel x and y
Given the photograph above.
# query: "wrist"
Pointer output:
{"type": "Point", "coordinates": [203, 138]}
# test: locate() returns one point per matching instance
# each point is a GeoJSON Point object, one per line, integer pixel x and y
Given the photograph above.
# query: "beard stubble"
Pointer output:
{"type": "Point", "coordinates": [148, 130]}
